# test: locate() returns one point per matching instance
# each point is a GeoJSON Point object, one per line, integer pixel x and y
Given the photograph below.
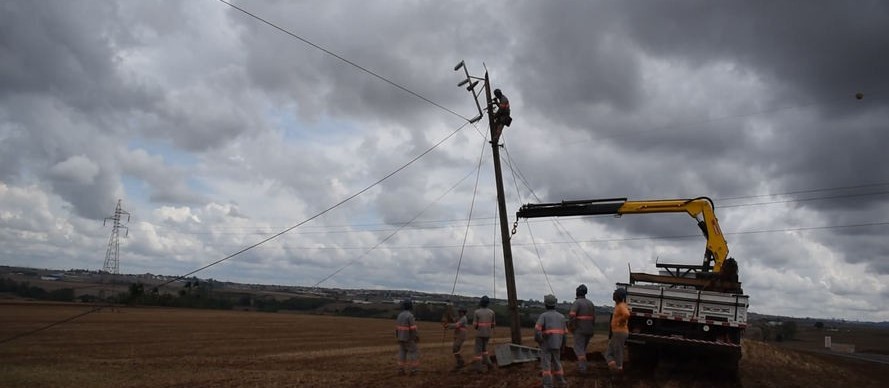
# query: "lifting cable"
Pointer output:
{"type": "Point", "coordinates": [494, 264]}
{"type": "Point", "coordinates": [469, 221]}
{"type": "Point", "coordinates": [448, 315]}
{"type": "Point", "coordinates": [515, 168]}
{"type": "Point", "coordinates": [533, 242]}
{"type": "Point", "coordinates": [545, 275]}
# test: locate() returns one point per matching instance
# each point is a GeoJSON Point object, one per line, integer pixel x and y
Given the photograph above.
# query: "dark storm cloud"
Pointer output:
{"type": "Point", "coordinates": [610, 99]}
{"type": "Point", "coordinates": [319, 83]}
{"type": "Point", "coordinates": [595, 86]}
{"type": "Point", "coordinates": [47, 141]}
{"type": "Point", "coordinates": [569, 60]}
{"type": "Point", "coordinates": [58, 49]}
{"type": "Point", "coordinates": [816, 50]}
{"type": "Point", "coordinates": [62, 94]}
{"type": "Point", "coordinates": [165, 184]}
{"type": "Point", "coordinates": [68, 83]}
{"type": "Point", "coordinates": [810, 53]}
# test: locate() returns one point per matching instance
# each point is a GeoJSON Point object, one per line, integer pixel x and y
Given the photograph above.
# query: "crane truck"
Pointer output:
{"type": "Point", "coordinates": [695, 309]}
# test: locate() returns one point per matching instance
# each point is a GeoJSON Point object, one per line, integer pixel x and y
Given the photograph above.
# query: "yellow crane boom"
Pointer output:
{"type": "Point", "coordinates": [701, 209]}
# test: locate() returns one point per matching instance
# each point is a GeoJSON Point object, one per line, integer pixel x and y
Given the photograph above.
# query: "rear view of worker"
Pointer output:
{"type": "Point", "coordinates": [406, 333]}
{"type": "Point", "coordinates": [483, 321]}
{"type": "Point", "coordinates": [502, 115]}
{"type": "Point", "coordinates": [581, 319]}
{"type": "Point", "coordinates": [614, 355]}
{"type": "Point", "coordinates": [460, 327]}
{"type": "Point", "coordinates": [550, 333]}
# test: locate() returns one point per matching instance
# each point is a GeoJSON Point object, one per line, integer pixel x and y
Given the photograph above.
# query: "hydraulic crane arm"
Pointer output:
{"type": "Point", "coordinates": [701, 209]}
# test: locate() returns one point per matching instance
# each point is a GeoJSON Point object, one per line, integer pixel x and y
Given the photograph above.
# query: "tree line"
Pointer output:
{"type": "Point", "coordinates": [26, 290]}
{"type": "Point", "coordinates": [201, 294]}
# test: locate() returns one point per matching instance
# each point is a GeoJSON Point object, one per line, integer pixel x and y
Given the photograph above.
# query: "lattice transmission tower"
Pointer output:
{"type": "Point", "coordinates": [112, 255]}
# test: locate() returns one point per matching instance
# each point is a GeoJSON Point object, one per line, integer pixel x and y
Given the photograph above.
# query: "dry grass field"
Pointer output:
{"type": "Point", "coordinates": [867, 339]}
{"type": "Point", "coordinates": [153, 347]}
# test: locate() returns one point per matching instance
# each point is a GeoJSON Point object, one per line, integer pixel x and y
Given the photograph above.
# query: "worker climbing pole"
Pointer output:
{"type": "Point", "coordinates": [501, 116]}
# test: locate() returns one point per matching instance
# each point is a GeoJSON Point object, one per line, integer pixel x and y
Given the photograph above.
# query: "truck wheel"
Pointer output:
{"type": "Point", "coordinates": [732, 365]}
{"type": "Point", "coordinates": [642, 357]}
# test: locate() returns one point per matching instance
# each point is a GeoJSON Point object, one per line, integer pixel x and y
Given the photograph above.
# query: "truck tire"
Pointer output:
{"type": "Point", "coordinates": [642, 357]}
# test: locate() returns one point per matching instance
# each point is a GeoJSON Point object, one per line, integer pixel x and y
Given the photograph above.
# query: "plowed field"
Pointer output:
{"type": "Point", "coordinates": [153, 347]}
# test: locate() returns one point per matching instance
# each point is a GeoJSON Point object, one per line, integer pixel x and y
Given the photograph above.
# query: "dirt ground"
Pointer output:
{"type": "Point", "coordinates": [154, 347]}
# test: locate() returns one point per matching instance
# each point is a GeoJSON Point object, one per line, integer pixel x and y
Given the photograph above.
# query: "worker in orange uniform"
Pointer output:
{"type": "Point", "coordinates": [550, 333]}
{"type": "Point", "coordinates": [581, 319]}
{"type": "Point", "coordinates": [614, 355]}
{"type": "Point", "coordinates": [460, 327]}
{"type": "Point", "coordinates": [406, 333]}
{"type": "Point", "coordinates": [483, 321]}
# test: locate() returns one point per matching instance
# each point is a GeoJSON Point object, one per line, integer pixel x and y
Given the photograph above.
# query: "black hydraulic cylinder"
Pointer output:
{"type": "Point", "coordinates": [572, 208]}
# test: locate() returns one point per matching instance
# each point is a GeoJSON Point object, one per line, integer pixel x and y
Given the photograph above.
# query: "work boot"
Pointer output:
{"type": "Point", "coordinates": [547, 382]}
{"type": "Point", "coordinates": [459, 361]}
{"type": "Point", "coordinates": [401, 371]}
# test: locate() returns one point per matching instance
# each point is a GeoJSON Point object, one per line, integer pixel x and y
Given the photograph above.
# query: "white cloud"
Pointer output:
{"type": "Point", "coordinates": [77, 169]}
{"type": "Point", "coordinates": [217, 131]}
{"type": "Point", "coordinates": [176, 214]}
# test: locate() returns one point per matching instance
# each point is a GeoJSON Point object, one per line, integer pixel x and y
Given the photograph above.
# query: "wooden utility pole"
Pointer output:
{"type": "Point", "coordinates": [512, 298]}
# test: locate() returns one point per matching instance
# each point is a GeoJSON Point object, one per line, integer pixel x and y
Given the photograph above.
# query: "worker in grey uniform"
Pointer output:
{"type": "Point", "coordinates": [483, 321]}
{"type": "Point", "coordinates": [406, 333]}
{"type": "Point", "coordinates": [581, 319]}
{"type": "Point", "coordinates": [460, 327]}
{"type": "Point", "coordinates": [550, 333]}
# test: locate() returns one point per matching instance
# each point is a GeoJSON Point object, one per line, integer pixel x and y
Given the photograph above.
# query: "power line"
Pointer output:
{"type": "Point", "coordinates": [558, 222]}
{"type": "Point", "coordinates": [276, 235]}
{"type": "Point", "coordinates": [512, 169]}
{"type": "Point", "coordinates": [816, 190]}
{"type": "Point", "coordinates": [37, 330]}
{"type": "Point", "coordinates": [479, 221]}
{"type": "Point", "coordinates": [469, 221]}
{"type": "Point", "coordinates": [337, 56]}
{"type": "Point", "coordinates": [807, 199]}
{"type": "Point", "coordinates": [608, 240]}
{"type": "Point", "coordinates": [780, 230]}
{"type": "Point", "coordinates": [392, 234]}
{"type": "Point", "coordinates": [515, 168]}
{"type": "Point", "coordinates": [698, 123]}
{"type": "Point", "coordinates": [334, 206]}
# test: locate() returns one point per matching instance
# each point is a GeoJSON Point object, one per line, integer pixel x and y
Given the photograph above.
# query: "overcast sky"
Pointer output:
{"type": "Point", "coordinates": [217, 131]}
